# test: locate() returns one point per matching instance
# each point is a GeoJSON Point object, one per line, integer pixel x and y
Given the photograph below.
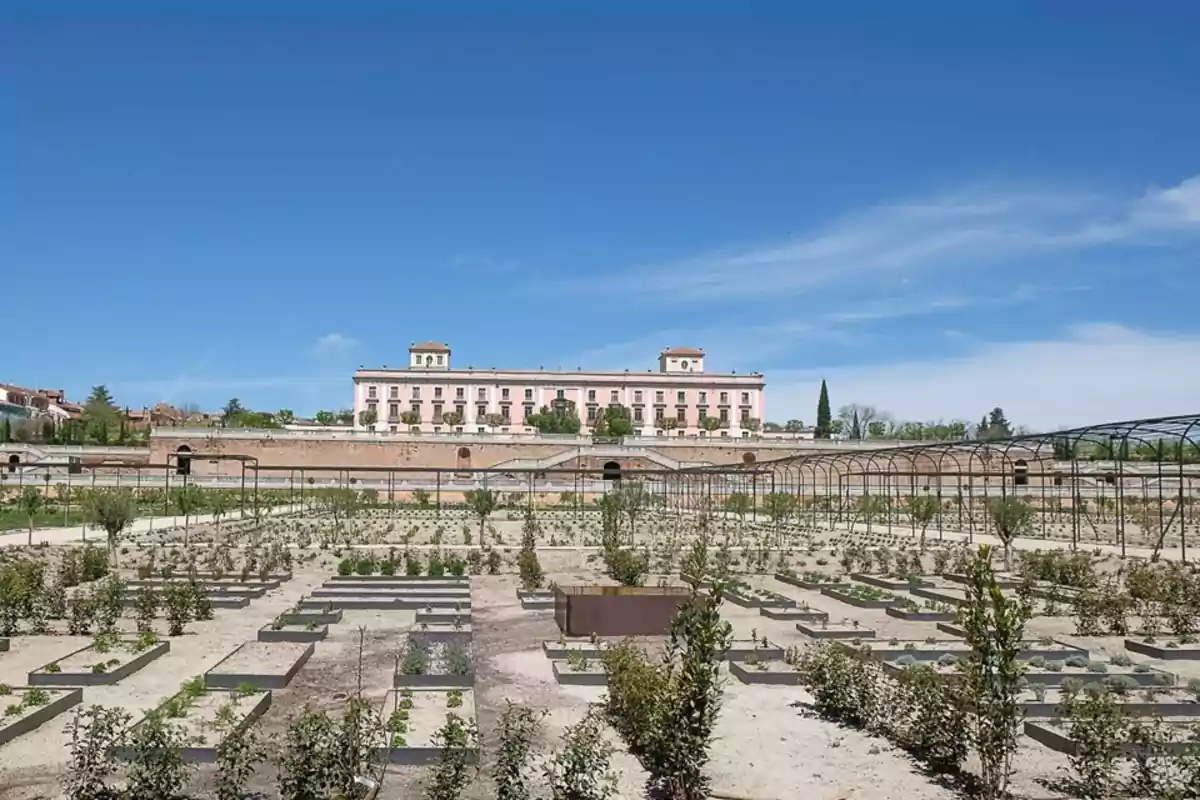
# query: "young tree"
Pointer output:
{"type": "Point", "coordinates": [111, 510]}
{"type": "Point", "coordinates": [739, 504]}
{"type": "Point", "coordinates": [633, 498]}
{"type": "Point", "coordinates": [824, 414]}
{"type": "Point", "coordinates": [482, 503]}
{"type": "Point", "coordinates": [188, 499]}
{"type": "Point", "coordinates": [100, 413]}
{"type": "Point", "coordinates": [517, 736]}
{"type": "Point", "coordinates": [994, 624]}
{"type": "Point", "coordinates": [666, 712]}
{"type": "Point", "coordinates": [921, 510]}
{"type": "Point", "coordinates": [326, 418]}
{"type": "Point", "coordinates": [581, 769]}
{"type": "Point", "coordinates": [285, 416]}
{"type": "Point", "coordinates": [1011, 517]}
{"type": "Point", "coordinates": [231, 413]}
{"type": "Point", "coordinates": [219, 504]}
{"type": "Point", "coordinates": [31, 502]}
{"type": "Point", "coordinates": [368, 417]}
{"type": "Point", "coordinates": [613, 421]}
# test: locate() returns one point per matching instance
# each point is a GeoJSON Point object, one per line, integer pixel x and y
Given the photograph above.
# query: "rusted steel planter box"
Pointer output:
{"type": "Point", "coordinates": [617, 610]}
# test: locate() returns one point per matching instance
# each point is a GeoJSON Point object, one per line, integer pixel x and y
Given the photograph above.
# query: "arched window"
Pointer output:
{"type": "Point", "coordinates": [612, 470]}
{"type": "Point", "coordinates": [749, 458]}
{"type": "Point", "coordinates": [183, 460]}
{"type": "Point", "coordinates": [1020, 473]}
{"type": "Point", "coordinates": [13, 462]}
{"type": "Point", "coordinates": [464, 458]}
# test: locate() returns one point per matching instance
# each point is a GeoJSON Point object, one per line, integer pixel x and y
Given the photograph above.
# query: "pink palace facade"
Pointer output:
{"type": "Point", "coordinates": [499, 400]}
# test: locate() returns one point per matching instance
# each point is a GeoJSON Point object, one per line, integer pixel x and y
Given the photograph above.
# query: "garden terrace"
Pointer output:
{"type": "Point", "coordinates": [1169, 648]}
{"type": "Point", "coordinates": [437, 665]}
{"type": "Point", "coordinates": [1003, 581]}
{"type": "Point", "coordinates": [404, 581]}
{"type": "Point", "coordinates": [207, 716]}
{"type": "Point", "coordinates": [263, 665]}
{"type": "Point", "coordinates": [279, 631]}
{"type": "Point", "coordinates": [413, 718]}
{"type": "Point", "coordinates": [215, 599]}
{"type": "Point", "coordinates": [443, 595]}
{"type": "Point", "coordinates": [431, 615]}
{"type": "Point", "coordinates": [28, 707]}
{"type": "Point", "coordinates": [536, 600]}
{"type": "Point", "coordinates": [343, 603]}
{"type": "Point", "coordinates": [252, 587]}
{"type": "Point", "coordinates": [107, 660]}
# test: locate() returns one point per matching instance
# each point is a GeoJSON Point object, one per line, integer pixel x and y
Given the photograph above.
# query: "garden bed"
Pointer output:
{"type": "Point", "coordinates": [1139, 703]}
{"type": "Point", "coordinates": [102, 663]}
{"type": "Point", "coordinates": [560, 649]}
{"type": "Point", "coordinates": [746, 649]}
{"type": "Point", "coordinates": [952, 597]}
{"type": "Point", "coordinates": [580, 673]}
{"type": "Point", "coordinates": [197, 712]}
{"type": "Point", "coordinates": [217, 600]}
{"type": "Point", "coordinates": [1003, 581]}
{"type": "Point", "coordinates": [1166, 648]}
{"type": "Point", "coordinates": [3, 644]}
{"type": "Point", "coordinates": [263, 665]}
{"type": "Point", "coordinates": [536, 600]}
{"type": "Point", "coordinates": [1142, 676]}
{"type": "Point", "coordinates": [403, 580]}
{"type": "Point", "coordinates": [431, 634]}
{"type": "Point", "coordinates": [28, 707]}
{"type": "Point", "coordinates": [308, 632]}
{"type": "Point", "coordinates": [889, 583]}
{"type": "Point", "coordinates": [926, 650]}
{"type": "Point", "coordinates": [809, 581]}
{"type": "Point", "coordinates": [920, 614]}
{"type": "Point", "coordinates": [276, 576]}
{"type": "Point", "coordinates": [443, 616]}
{"type": "Point", "coordinates": [863, 597]}
{"type": "Point", "coordinates": [441, 594]}
{"type": "Point", "coordinates": [834, 630]}
{"type": "Point", "coordinates": [1058, 738]}
{"type": "Point", "coordinates": [350, 604]}
{"type": "Point", "coordinates": [412, 720]}
{"type": "Point", "coordinates": [749, 597]}
{"type": "Point", "coordinates": [251, 588]}
{"type": "Point", "coordinates": [952, 628]}
{"type": "Point", "coordinates": [771, 672]}
{"type": "Point", "coordinates": [435, 665]}
{"type": "Point", "coordinates": [797, 614]}
{"type": "Point", "coordinates": [302, 617]}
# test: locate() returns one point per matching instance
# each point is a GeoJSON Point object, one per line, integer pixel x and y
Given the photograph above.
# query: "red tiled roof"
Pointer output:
{"type": "Point", "coordinates": [425, 347]}
{"type": "Point", "coordinates": [689, 352]}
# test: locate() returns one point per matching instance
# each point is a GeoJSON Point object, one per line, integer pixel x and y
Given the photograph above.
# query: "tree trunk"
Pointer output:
{"type": "Point", "coordinates": [31, 531]}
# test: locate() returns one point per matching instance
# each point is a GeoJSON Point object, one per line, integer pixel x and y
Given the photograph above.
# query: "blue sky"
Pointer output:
{"type": "Point", "coordinates": [937, 211]}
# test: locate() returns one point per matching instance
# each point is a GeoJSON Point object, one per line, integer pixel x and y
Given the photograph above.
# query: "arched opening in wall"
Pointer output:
{"type": "Point", "coordinates": [183, 460]}
{"type": "Point", "coordinates": [1058, 479]}
{"type": "Point", "coordinates": [1020, 473]}
{"type": "Point", "coordinates": [749, 458]}
{"type": "Point", "coordinates": [612, 470]}
{"type": "Point", "coordinates": [14, 461]}
{"type": "Point", "coordinates": [464, 462]}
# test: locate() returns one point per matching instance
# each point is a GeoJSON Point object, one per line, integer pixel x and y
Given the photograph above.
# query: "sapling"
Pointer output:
{"type": "Point", "coordinates": [95, 733]}
{"type": "Point", "coordinates": [145, 608]}
{"type": "Point", "coordinates": [517, 732]}
{"type": "Point", "coordinates": [178, 603]}
{"type": "Point", "coordinates": [156, 767]}
{"type": "Point", "coordinates": [581, 768]}
{"type": "Point", "coordinates": [994, 625]}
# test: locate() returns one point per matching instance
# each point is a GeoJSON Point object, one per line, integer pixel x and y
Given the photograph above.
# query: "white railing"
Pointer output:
{"type": "Point", "coordinates": [754, 442]}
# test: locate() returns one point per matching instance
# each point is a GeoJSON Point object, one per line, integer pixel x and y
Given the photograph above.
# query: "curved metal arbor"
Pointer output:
{"type": "Point", "coordinates": [1130, 484]}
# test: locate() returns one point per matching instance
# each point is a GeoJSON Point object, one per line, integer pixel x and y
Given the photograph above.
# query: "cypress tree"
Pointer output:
{"type": "Point", "coordinates": [824, 415]}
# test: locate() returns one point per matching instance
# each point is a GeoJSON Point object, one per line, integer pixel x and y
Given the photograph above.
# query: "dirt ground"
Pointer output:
{"type": "Point", "coordinates": [769, 747]}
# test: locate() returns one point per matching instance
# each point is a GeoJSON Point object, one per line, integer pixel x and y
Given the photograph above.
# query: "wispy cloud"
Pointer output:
{"type": "Point", "coordinates": [1093, 373]}
{"type": "Point", "coordinates": [965, 230]}
{"type": "Point", "coordinates": [333, 345]}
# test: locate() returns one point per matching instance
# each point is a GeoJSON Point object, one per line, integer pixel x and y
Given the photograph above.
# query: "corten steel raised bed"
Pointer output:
{"type": "Point", "coordinates": [1054, 735]}
{"type": "Point", "coordinates": [215, 600]}
{"type": "Point", "coordinates": [890, 584]}
{"type": "Point", "coordinates": [204, 737]}
{"type": "Point", "coordinates": [800, 583]}
{"type": "Point", "coordinates": [445, 592]}
{"type": "Point", "coordinates": [617, 610]}
{"type": "Point", "coordinates": [1183, 652]}
{"type": "Point", "coordinates": [262, 665]}
{"type": "Point", "coordinates": [1002, 581]}
{"type": "Point", "coordinates": [920, 614]}
{"type": "Point", "coordinates": [449, 580]}
{"type": "Point", "coordinates": [63, 700]}
{"type": "Point", "coordinates": [293, 633]}
{"type": "Point", "coordinates": [304, 617]}
{"type": "Point", "coordinates": [794, 614]}
{"type": "Point", "coordinates": [39, 677]}
{"type": "Point", "coordinates": [536, 601]}
{"type": "Point", "coordinates": [594, 675]}
{"type": "Point", "coordinates": [772, 676]}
